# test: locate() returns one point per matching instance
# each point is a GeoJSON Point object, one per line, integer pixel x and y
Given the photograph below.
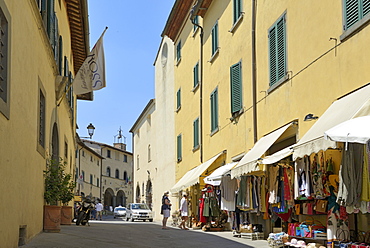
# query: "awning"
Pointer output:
{"type": "Point", "coordinates": [277, 156]}
{"type": "Point", "coordinates": [192, 177]}
{"type": "Point", "coordinates": [215, 178]}
{"type": "Point", "coordinates": [356, 130]}
{"type": "Point", "coordinates": [249, 162]}
{"type": "Point", "coordinates": [350, 106]}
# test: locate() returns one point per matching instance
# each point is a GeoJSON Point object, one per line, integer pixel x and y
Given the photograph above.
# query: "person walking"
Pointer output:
{"type": "Point", "coordinates": [165, 209]}
{"type": "Point", "coordinates": [99, 210]}
{"type": "Point", "coordinates": [184, 211]}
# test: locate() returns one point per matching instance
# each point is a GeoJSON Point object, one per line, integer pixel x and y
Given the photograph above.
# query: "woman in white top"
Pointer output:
{"type": "Point", "coordinates": [184, 211]}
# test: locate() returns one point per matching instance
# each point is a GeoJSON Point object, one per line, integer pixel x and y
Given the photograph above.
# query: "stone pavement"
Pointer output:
{"type": "Point", "coordinates": [118, 233]}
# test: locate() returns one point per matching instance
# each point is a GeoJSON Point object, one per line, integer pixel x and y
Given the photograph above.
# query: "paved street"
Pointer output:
{"type": "Point", "coordinates": [118, 233]}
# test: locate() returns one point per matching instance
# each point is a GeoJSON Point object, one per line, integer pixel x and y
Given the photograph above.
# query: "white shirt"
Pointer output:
{"type": "Point", "coordinates": [183, 205]}
{"type": "Point", "coordinates": [99, 207]}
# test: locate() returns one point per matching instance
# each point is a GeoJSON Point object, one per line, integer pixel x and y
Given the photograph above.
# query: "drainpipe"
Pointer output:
{"type": "Point", "coordinates": [254, 70]}
{"type": "Point", "coordinates": [192, 17]}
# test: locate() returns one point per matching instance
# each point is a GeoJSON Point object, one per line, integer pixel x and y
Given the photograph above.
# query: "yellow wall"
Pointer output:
{"type": "Point", "coordinates": [318, 77]}
{"type": "Point", "coordinates": [31, 68]}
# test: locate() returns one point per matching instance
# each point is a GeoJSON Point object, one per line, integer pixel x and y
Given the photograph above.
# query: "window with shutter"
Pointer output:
{"type": "Point", "coordinates": [196, 133]}
{"type": "Point", "coordinates": [354, 11]}
{"type": "Point", "coordinates": [60, 56]}
{"type": "Point", "coordinates": [178, 51]}
{"type": "Point", "coordinates": [42, 119]}
{"type": "Point", "coordinates": [236, 87]}
{"type": "Point", "coordinates": [4, 63]}
{"type": "Point", "coordinates": [214, 111]}
{"type": "Point", "coordinates": [277, 51]}
{"type": "Point", "coordinates": [196, 21]}
{"type": "Point", "coordinates": [196, 75]}
{"type": "Point", "coordinates": [178, 99]}
{"type": "Point", "coordinates": [215, 38]}
{"type": "Point", "coordinates": [237, 10]}
{"type": "Point", "coordinates": [179, 148]}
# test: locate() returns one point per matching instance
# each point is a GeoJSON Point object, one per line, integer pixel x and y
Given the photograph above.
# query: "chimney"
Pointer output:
{"type": "Point", "coordinates": [120, 146]}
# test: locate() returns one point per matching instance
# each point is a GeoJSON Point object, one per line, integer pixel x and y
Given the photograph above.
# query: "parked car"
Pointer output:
{"type": "Point", "coordinates": [119, 212]}
{"type": "Point", "coordinates": [139, 211]}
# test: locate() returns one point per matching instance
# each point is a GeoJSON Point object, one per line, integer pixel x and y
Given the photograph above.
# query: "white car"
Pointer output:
{"type": "Point", "coordinates": [139, 211]}
{"type": "Point", "coordinates": [119, 212]}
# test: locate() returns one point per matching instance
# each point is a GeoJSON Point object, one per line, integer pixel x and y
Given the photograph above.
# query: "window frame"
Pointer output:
{"type": "Point", "coordinates": [178, 100]}
{"type": "Point", "coordinates": [214, 111]}
{"type": "Point", "coordinates": [236, 88]}
{"type": "Point", "coordinates": [237, 10]}
{"type": "Point", "coordinates": [275, 46]}
{"type": "Point", "coordinates": [363, 19]}
{"type": "Point", "coordinates": [196, 75]}
{"type": "Point", "coordinates": [196, 143]}
{"type": "Point", "coordinates": [215, 40]}
{"type": "Point", "coordinates": [5, 61]}
{"type": "Point", "coordinates": [179, 147]}
{"type": "Point", "coordinates": [178, 51]}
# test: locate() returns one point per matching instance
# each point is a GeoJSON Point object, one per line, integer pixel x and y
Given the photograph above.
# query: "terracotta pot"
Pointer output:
{"type": "Point", "coordinates": [52, 216]}
{"type": "Point", "coordinates": [66, 215]}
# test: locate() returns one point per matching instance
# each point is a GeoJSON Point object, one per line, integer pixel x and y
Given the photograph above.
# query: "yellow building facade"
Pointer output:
{"type": "Point", "coordinates": [39, 57]}
{"type": "Point", "coordinates": [262, 65]}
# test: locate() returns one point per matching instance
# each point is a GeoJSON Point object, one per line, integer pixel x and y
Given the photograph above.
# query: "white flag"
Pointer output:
{"type": "Point", "coordinates": [91, 75]}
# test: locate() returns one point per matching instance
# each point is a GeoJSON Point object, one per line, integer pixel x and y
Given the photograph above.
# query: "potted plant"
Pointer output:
{"type": "Point", "coordinates": [58, 187]}
{"type": "Point", "coordinates": [66, 195]}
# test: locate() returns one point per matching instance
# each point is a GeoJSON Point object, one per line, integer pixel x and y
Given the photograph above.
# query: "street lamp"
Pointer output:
{"type": "Point", "coordinates": [90, 130]}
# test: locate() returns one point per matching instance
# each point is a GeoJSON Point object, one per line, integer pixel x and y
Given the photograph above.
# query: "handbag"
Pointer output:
{"type": "Point", "coordinates": [305, 208]}
{"type": "Point", "coordinates": [306, 230]}
{"type": "Point", "coordinates": [310, 208]}
{"type": "Point", "coordinates": [297, 208]}
{"type": "Point", "coordinates": [321, 206]}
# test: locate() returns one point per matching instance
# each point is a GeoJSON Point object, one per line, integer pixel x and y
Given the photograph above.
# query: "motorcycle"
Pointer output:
{"type": "Point", "coordinates": [84, 212]}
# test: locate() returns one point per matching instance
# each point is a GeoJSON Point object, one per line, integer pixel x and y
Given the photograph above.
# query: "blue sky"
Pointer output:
{"type": "Point", "coordinates": [130, 45]}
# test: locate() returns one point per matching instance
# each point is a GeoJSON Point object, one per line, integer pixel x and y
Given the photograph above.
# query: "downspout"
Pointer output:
{"type": "Point", "coordinates": [254, 71]}
{"type": "Point", "coordinates": [192, 17]}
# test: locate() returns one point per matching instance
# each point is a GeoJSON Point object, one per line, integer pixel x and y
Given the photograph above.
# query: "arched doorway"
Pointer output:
{"type": "Point", "coordinates": [121, 198]}
{"type": "Point", "coordinates": [148, 194]}
{"type": "Point", "coordinates": [108, 198]}
{"type": "Point", "coordinates": [55, 143]}
{"type": "Point", "coordinates": [138, 193]}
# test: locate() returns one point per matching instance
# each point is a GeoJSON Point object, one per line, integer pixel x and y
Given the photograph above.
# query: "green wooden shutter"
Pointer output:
{"type": "Point", "coordinates": [196, 133]}
{"type": "Point", "coordinates": [60, 56]}
{"type": "Point", "coordinates": [51, 22]}
{"type": "Point", "coordinates": [178, 51]}
{"type": "Point", "coordinates": [277, 51]}
{"type": "Point", "coordinates": [280, 49]}
{"type": "Point", "coordinates": [236, 87]}
{"type": "Point", "coordinates": [272, 53]}
{"type": "Point", "coordinates": [214, 38]}
{"type": "Point", "coordinates": [214, 110]}
{"type": "Point", "coordinates": [179, 147]}
{"type": "Point", "coordinates": [178, 99]}
{"type": "Point", "coordinates": [196, 75]}
{"type": "Point", "coordinates": [237, 10]}
{"type": "Point", "coordinates": [196, 21]}
{"type": "Point", "coordinates": [351, 12]}
{"type": "Point", "coordinates": [56, 39]}
{"type": "Point", "coordinates": [365, 7]}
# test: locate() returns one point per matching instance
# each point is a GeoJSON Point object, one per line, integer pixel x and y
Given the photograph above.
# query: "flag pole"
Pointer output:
{"type": "Point", "coordinates": [70, 85]}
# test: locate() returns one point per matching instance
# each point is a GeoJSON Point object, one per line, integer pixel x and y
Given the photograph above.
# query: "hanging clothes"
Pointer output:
{"type": "Point", "coordinates": [202, 218]}
{"type": "Point", "coordinates": [351, 170]}
{"type": "Point", "coordinates": [213, 204]}
{"type": "Point", "coordinates": [273, 184]}
{"type": "Point", "coordinates": [365, 192]}
{"type": "Point", "coordinates": [228, 188]}
{"type": "Point", "coordinates": [241, 198]}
